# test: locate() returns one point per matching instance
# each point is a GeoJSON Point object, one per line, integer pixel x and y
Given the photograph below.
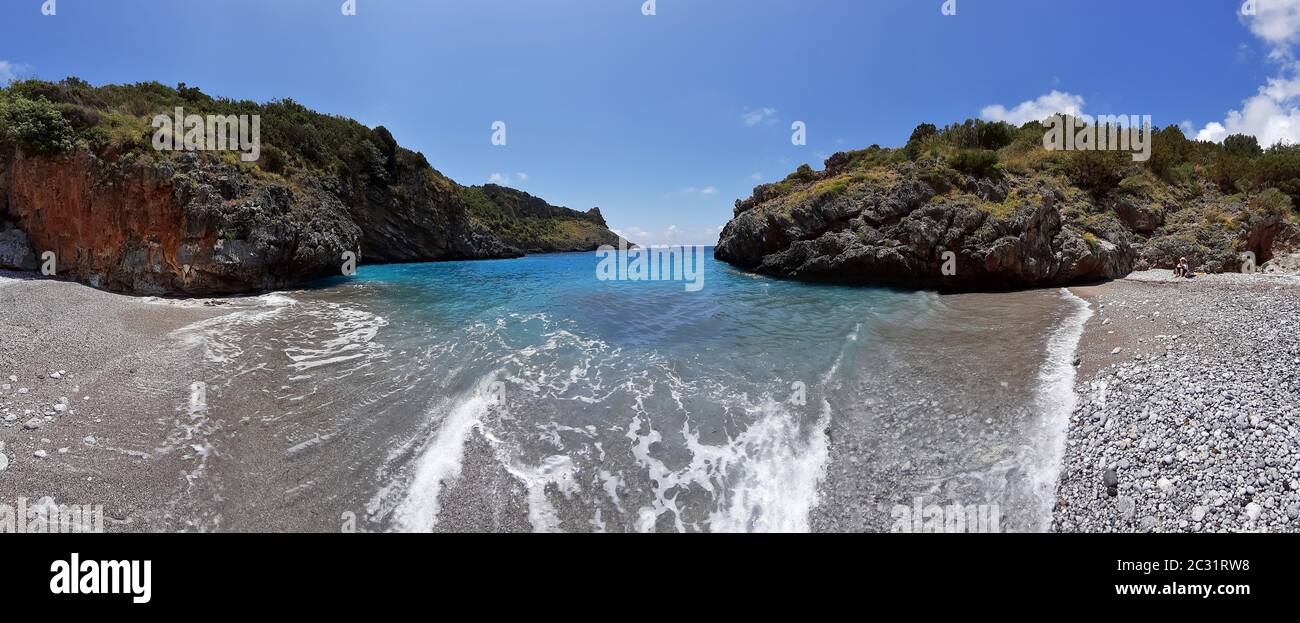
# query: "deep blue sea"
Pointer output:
{"type": "Point", "coordinates": [529, 395]}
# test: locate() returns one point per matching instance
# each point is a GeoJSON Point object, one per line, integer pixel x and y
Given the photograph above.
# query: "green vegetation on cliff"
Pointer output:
{"type": "Point", "coordinates": [531, 224]}
{"type": "Point", "coordinates": [115, 120]}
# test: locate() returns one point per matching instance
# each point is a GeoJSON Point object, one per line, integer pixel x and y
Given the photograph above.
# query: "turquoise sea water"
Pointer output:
{"type": "Point", "coordinates": [460, 395]}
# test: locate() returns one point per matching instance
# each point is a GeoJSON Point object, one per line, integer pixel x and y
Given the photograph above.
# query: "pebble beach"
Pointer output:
{"type": "Point", "coordinates": [1188, 412]}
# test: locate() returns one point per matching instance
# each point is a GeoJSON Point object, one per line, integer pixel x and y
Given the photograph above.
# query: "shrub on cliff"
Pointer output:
{"type": "Point", "coordinates": [1272, 202]}
{"type": "Point", "coordinates": [1169, 150]}
{"type": "Point", "coordinates": [1098, 172]}
{"type": "Point", "coordinates": [387, 146]}
{"type": "Point", "coordinates": [35, 124]}
{"type": "Point", "coordinates": [1229, 170]}
{"type": "Point", "coordinates": [977, 162]}
{"type": "Point", "coordinates": [979, 134]}
{"type": "Point", "coordinates": [920, 135]}
{"type": "Point", "coordinates": [274, 160]}
{"type": "Point", "coordinates": [1279, 168]}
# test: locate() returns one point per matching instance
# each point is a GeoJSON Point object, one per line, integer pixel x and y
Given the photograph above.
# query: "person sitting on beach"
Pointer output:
{"type": "Point", "coordinates": [1182, 269]}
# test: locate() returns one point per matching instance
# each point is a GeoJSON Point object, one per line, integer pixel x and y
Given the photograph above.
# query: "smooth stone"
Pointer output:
{"type": "Point", "coordinates": [1253, 511]}
{"type": "Point", "coordinates": [1127, 507]}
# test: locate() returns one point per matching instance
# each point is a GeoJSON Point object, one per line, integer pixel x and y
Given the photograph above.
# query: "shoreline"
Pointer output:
{"type": "Point", "coordinates": [1185, 419]}
{"type": "Point", "coordinates": [1148, 347]}
{"type": "Point", "coordinates": [1057, 380]}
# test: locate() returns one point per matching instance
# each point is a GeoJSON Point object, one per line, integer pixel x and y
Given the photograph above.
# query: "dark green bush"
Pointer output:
{"type": "Point", "coordinates": [980, 134]}
{"type": "Point", "coordinates": [1242, 145]}
{"type": "Point", "coordinates": [1229, 170]}
{"type": "Point", "coordinates": [977, 162]}
{"type": "Point", "coordinates": [35, 124]}
{"type": "Point", "coordinates": [1098, 172]}
{"type": "Point", "coordinates": [273, 160]}
{"type": "Point", "coordinates": [1169, 148]}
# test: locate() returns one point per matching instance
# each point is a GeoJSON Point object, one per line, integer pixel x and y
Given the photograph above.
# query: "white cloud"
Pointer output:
{"type": "Point", "coordinates": [9, 71]}
{"type": "Point", "coordinates": [1038, 109]}
{"type": "Point", "coordinates": [633, 234]}
{"type": "Point", "coordinates": [1277, 22]}
{"type": "Point", "coordinates": [502, 179]}
{"type": "Point", "coordinates": [756, 177]}
{"type": "Point", "coordinates": [1272, 115]}
{"type": "Point", "coordinates": [1213, 131]}
{"type": "Point", "coordinates": [760, 115]}
{"type": "Point", "coordinates": [673, 235]}
{"type": "Point", "coordinates": [696, 190]}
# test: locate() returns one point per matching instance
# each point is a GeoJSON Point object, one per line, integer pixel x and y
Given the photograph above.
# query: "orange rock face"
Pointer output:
{"type": "Point", "coordinates": [115, 232]}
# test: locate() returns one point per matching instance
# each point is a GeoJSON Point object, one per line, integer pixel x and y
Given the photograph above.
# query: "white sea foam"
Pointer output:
{"type": "Point", "coordinates": [777, 486]}
{"type": "Point", "coordinates": [785, 465]}
{"type": "Point", "coordinates": [440, 462]}
{"type": "Point", "coordinates": [765, 479]}
{"type": "Point", "coordinates": [557, 470]}
{"type": "Point", "coordinates": [1055, 398]}
{"type": "Point", "coordinates": [217, 336]}
{"type": "Point", "coordinates": [354, 331]}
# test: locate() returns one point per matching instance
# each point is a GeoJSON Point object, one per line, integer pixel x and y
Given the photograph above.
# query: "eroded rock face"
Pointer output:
{"type": "Point", "coordinates": [1140, 218]}
{"type": "Point", "coordinates": [426, 220]}
{"type": "Point", "coordinates": [1222, 248]}
{"type": "Point", "coordinates": [188, 225]}
{"type": "Point", "coordinates": [193, 224]}
{"type": "Point", "coordinates": [896, 229]}
{"type": "Point", "coordinates": [15, 251]}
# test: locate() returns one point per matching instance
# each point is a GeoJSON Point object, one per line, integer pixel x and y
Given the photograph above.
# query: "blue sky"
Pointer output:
{"type": "Point", "coordinates": [664, 121]}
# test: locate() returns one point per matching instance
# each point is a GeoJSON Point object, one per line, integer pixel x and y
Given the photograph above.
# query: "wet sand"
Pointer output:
{"type": "Point", "coordinates": [957, 412]}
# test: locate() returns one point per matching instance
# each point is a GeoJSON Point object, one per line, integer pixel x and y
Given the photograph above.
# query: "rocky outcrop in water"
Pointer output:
{"type": "Point", "coordinates": [915, 226]}
{"type": "Point", "coordinates": [877, 217]}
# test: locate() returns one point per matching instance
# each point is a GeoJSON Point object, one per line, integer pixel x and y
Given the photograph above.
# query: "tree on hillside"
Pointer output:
{"type": "Point", "coordinates": [1242, 145]}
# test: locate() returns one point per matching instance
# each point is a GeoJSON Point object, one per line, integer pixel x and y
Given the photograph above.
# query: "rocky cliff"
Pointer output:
{"type": "Point", "coordinates": [960, 217]}
{"type": "Point", "coordinates": [533, 225]}
{"type": "Point", "coordinates": [79, 178]}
